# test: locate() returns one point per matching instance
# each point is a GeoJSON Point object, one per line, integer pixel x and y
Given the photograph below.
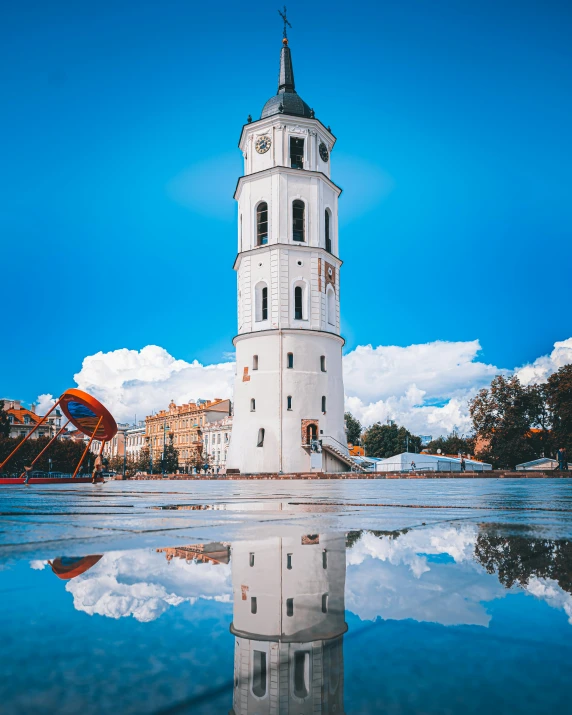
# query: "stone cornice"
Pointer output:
{"type": "Point", "coordinates": [278, 119]}
{"type": "Point", "coordinates": [285, 170]}
{"type": "Point", "coordinates": [289, 331]}
{"type": "Point", "coordinates": [257, 250]}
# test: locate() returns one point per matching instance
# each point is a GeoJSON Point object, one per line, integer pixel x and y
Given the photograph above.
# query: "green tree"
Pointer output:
{"type": "Point", "coordinates": [387, 440]}
{"type": "Point", "coordinates": [64, 455]}
{"type": "Point", "coordinates": [558, 391]}
{"type": "Point", "coordinates": [353, 428]}
{"type": "Point", "coordinates": [452, 444]}
{"type": "Point", "coordinates": [170, 456]}
{"type": "Point", "coordinates": [4, 421]}
{"type": "Point", "coordinates": [504, 416]}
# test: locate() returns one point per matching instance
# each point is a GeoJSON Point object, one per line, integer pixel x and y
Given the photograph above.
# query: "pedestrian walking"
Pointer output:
{"type": "Point", "coordinates": [562, 458]}
{"type": "Point", "coordinates": [463, 465]}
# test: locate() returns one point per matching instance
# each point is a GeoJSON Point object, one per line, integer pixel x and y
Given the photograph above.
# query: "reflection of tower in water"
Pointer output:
{"type": "Point", "coordinates": [288, 625]}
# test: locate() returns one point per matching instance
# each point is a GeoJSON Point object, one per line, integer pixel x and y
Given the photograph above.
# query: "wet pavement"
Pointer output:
{"type": "Point", "coordinates": [287, 597]}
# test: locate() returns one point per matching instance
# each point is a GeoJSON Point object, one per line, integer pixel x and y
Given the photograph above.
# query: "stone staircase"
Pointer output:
{"type": "Point", "coordinates": [340, 455]}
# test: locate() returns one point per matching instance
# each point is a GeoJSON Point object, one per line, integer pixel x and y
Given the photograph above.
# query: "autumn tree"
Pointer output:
{"type": "Point", "coordinates": [503, 416]}
{"type": "Point", "coordinates": [387, 440]}
{"type": "Point", "coordinates": [558, 391]}
{"type": "Point", "coordinates": [353, 428]}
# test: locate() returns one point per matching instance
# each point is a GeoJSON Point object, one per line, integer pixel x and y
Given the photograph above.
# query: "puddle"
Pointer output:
{"type": "Point", "coordinates": [460, 618]}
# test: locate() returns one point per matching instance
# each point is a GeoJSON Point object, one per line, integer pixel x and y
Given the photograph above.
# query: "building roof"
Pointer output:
{"type": "Point", "coordinates": [286, 100]}
{"type": "Point", "coordinates": [20, 414]}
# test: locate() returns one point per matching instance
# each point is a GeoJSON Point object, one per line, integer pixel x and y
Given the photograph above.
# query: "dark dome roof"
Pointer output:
{"type": "Point", "coordinates": [286, 100]}
{"type": "Point", "coordinates": [291, 103]}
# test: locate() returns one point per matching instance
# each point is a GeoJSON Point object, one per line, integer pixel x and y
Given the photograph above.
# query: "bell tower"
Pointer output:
{"type": "Point", "coordinates": [289, 396]}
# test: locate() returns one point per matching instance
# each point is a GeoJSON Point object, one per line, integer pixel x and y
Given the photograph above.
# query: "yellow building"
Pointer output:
{"type": "Point", "coordinates": [186, 422]}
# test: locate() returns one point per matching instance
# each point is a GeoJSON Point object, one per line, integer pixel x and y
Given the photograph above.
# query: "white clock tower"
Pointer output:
{"type": "Point", "coordinates": [289, 394]}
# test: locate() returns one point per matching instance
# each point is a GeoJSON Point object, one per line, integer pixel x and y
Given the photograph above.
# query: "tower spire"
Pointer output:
{"type": "Point", "coordinates": [285, 31]}
{"type": "Point", "coordinates": [286, 74]}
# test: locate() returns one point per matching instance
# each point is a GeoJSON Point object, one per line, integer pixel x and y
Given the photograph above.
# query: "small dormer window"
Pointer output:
{"type": "Point", "coordinates": [296, 153]}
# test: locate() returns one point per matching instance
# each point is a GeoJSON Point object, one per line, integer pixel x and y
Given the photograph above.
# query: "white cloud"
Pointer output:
{"type": "Point", "coordinates": [425, 387]}
{"type": "Point", "coordinates": [548, 590]}
{"type": "Point", "coordinates": [44, 403]}
{"type": "Point", "coordinates": [130, 382]}
{"type": "Point", "coordinates": [143, 584]}
{"type": "Point", "coordinates": [541, 369]}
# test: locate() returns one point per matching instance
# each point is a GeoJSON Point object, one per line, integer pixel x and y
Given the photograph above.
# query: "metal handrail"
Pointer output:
{"type": "Point", "coordinates": [344, 447]}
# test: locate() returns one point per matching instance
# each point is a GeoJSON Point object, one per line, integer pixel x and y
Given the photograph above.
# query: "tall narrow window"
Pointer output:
{"type": "Point", "coordinates": [262, 224]}
{"type": "Point", "coordinates": [251, 559]}
{"type": "Point", "coordinates": [324, 603]}
{"type": "Point", "coordinates": [331, 306]}
{"type": "Point", "coordinates": [324, 559]}
{"type": "Point", "coordinates": [323, 363]}
{"type": "Point", "coordinates": [260, 442]}
{"type": "Point", "coordinates": [259, 673]}
{"type": "Point", "coordinates": [323, 403]}
{"type": "Point", "coordinates": [296, 153]}
{"type": "Point", "coordinates": [298, 220]}
{"type": "Point", "coordinates": [290, 360]}
{"type": "Point", "coordinates": [301, 673]}
{"type": "Point", "coordinates": [289, 402]}
{"type": "Point", "coordinates": [253, 405]}
{"type": "Point", "coordinates": [255, 362]}
{"type": "Point", "coordinates": [261, 301]}
{"type": "Point", "coordinates": [289, 607]}
{"type": "Point", "coordinates": [253, 605]}
{"type": "Point", "coordinates": [289, 561]}
{"type": "Point", "coordinates": [298, 303]}
{"type": "Point", "coordinates": [328, 238]}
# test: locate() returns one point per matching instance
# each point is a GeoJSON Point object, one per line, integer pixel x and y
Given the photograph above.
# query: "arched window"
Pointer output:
{"type": "Point", "coordinates": [289, 402]}
{"type": "Point", "coordinates": [261, 302]}
{"type": "Point", "coordinates": [324, 404]}
{"type": "Point", "coordinates": [260, 442]}
{"type": "Point", "coordinates": [253, 405]}
{"type": "Point", "coordinates": [259, 672]}
{"type": "Point", "coordinates": [328, 236]}
{"type": "Point", "coordinates": [255, 362]}
{"type": "Point", "coordinates": [298, 220]}
{"type": "Point", "coordinates": [301, 673]}
{"type": "Point", "coordinates": [298, 312]}
{"type": "Point", "coordinates": [290, 360]}
{"type": "Point", "coordinates": [331, 306]}
{"type": "Point", "coordinates": [323, 363]}
{"type": "Point", "coordinates": [262, 224]}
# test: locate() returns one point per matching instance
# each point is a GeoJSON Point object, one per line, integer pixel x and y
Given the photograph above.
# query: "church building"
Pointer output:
{"type": "Point", "coordinates": [289, 394]}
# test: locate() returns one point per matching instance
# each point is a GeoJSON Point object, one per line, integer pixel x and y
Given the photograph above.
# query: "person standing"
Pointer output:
{"type": "Point", "coordinates": [97, 470]}
{"type": "Point", "coordinates": [463, 465]}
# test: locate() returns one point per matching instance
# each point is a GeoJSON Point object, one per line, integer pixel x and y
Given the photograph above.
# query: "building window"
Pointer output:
{"type": "Point", "coordinates": [290, 360]}
{"type": "Point", "coordinates": [298, 303]}
{"type": "Point", "coordinates": [289, 561]}
{"type": "Point", "coordinates": [289, 607]}
{"type": "Point", "coordinates": [289, 402]}
{"type": "Point", "coordinates": [251, 560]}
{"type": "Point", "coordinates": [255, 362]}
{"type": "Point", "coordinates": [327, 229]}
{"type": "Point", "coordinates": [296, 153]}
{"type": "Point", "coordinates": [260, 437]}
{"type": "Point", "coordinates": [253, 605]}
{"type": "Point", "coordinates": [324, 603]}
{"type": "Point", "coordinates": [298, 220]}
{"type": "Point", "coordinates": [253, 405]}
{"type": "Point", "coordinates": [259, 673]}
{"type": "Point", "coordinates": [324, 559]}
{"type": "Point", "coordinates": [323, 363]}
{"type": "Point", "coordinates": [301, 673]}
{"type": "Point", "coordinates": [324, 404]}
{"type": "Point", "coordinates": [261, 302]}
{"type": "Point", "coordinates": [262, 224]}
{"type": "Point", "coordinates": [331, 306]}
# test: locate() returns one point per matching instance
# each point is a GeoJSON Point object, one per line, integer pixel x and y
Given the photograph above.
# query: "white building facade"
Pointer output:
{"type": "Point", "coordinates": [216, 439]}
{"type": "Point", "coordinates": [289, 386]}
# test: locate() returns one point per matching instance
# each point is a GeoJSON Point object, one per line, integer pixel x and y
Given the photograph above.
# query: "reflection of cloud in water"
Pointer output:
{"type": "Point", "coordinates": [143, 584]}
{"type": "Point", "coordinates": [393, 578]}
{"type": "Point", "coordinates": [548, 590]}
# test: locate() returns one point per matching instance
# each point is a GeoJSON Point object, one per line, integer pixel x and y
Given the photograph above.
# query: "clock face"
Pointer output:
{"type": "Point", "coordinates": [263, 144]}
{"type": "Point", "coordinates": [330, 272]}
{"type": "Point", "coordinates": [324, 151]}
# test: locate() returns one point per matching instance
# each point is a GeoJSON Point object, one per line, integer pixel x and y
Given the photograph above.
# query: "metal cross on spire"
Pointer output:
{"type": "Point", "coordinates": [283, 16]}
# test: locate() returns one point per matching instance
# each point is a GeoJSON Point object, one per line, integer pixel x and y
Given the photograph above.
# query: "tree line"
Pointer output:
{"type": "Point", "coordinates": [511, 423]}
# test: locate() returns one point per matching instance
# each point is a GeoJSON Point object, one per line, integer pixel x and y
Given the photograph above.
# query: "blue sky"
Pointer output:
{"type": "Point", "coordinates": [119, 134]}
